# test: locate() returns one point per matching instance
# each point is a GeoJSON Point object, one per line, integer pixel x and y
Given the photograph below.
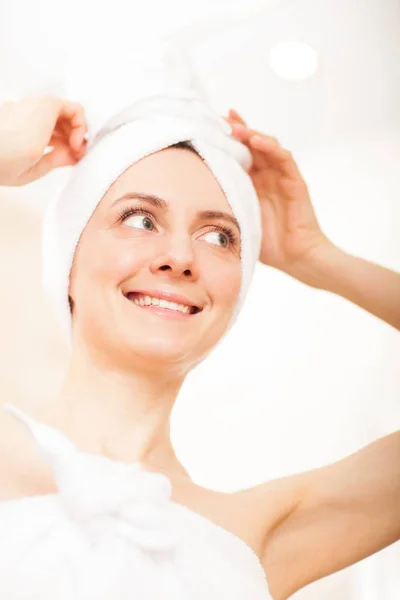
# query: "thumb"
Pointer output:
{"type": "Point", "coordinates": [60, 156]}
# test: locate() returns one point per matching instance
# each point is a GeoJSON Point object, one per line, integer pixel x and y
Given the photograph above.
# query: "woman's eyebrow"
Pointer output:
{"type": "Point", "coordinates": [163, 204]}
{"type": "Point", "coordinates": [217, 214]}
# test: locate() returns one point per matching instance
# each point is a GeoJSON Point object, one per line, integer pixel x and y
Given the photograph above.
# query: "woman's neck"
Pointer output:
{"type": "Point", "coordinates": [124, 416]}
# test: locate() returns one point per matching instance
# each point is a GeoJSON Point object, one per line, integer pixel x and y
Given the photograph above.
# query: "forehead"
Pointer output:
{"type": "Point", "coordinates": [175, 174]}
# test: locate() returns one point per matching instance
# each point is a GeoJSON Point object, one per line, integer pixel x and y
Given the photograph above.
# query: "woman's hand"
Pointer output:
{"type": "Point", "coordinates": [292, 239]}
{"type": "Point", "coordinates": [291, 232]}
{"type": "Point", "coordinates": [28, 127]}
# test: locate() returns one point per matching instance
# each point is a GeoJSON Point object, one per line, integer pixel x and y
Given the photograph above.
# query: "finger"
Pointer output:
{"type": "Point", "coordinates": [71, 121]}
{"type": "Point", "coordinates": [263, 143]}
{"type": "Point", "coordinates": [258, 157]}
{"type": "Point", "coordinates": [245, 133]}
{"type": "Point", "coordinates": [63, 128]}
{"type": "Point", "coordinates": [76, 139]}
{"type": "Point", "coordinates": [60, 156]}
{"type": "Point", "coordinates": [269, 151]}
{"type": "Point", "coordinates": [80, 153]}
{"type": "Point", "coordinates": [75, 114]}
{"type": "Point", "coordinates": [73, 135]}
{"type": "Point", "coordinates": [56, 136]}
{"type": "Point", "coordinates": [236, 117]}
{"type": "Point", "coordinates": [278, 156]}
{"type": "Point", "coordinates": [61, 133]}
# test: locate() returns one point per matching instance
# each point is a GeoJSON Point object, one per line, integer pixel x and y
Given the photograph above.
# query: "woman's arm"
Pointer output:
{"type": "Point", "coordinates": [28, 127]}
{"type": "Point", "coordinates": [293, 241]}
{"type": "Point", "coordinates": [370, 286]}
{"type": "Point", "coordinates": [337, 515]}
{"type": "Point", "coordinates": [321, 521]}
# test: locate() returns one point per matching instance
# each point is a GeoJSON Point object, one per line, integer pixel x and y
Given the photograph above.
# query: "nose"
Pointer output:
{"type": "Point", "coordinates": [177, 258]}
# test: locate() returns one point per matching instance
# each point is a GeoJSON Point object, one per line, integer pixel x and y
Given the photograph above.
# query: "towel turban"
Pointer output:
{"type": "Point", "coordinates": [168, 106]}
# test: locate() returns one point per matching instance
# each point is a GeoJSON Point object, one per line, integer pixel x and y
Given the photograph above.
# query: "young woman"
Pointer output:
{"type": "Point", "coordinates": [128, 363]}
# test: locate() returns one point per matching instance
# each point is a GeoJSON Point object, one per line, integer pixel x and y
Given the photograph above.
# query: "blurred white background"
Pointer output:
{"type": "Point", "coordinates": [305, 378]}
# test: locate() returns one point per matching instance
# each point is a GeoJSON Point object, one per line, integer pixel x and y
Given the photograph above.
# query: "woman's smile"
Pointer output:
{"type": "Point", "coordinates": [162, 306]}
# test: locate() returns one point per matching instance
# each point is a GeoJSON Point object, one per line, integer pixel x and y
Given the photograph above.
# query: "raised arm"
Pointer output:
{"type": "Point", "coordinates": [292, 238]}
{"type": "Point", "coordinates": [370, 286]}
{"type": "Point", "coordinates": [31, 125]}
{"type": "Point", "coordinates": [321, 521]}
{"type": "Point", "coordinates": [340, 514]}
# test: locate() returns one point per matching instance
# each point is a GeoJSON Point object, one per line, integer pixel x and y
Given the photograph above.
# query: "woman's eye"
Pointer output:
{"type": "Point", "coordinates": [142, 222]}
{"type": "Point", "coordinates": [219, 238]}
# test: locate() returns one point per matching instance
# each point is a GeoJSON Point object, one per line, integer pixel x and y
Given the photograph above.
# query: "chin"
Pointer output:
{"type": "Point", "coordinates": [159, 350]}
{"type": "Point", "coordinates": [151, 340]}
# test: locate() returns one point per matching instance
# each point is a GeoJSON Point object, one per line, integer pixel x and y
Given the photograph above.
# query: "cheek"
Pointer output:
{"type": "Point", "coordinates": [113, 262]}
{"type": "Point", "coordinates": [223, 285]}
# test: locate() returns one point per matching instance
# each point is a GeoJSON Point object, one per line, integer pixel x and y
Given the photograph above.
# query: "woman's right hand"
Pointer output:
{"type": "Point", "coordinates": [28, 127]}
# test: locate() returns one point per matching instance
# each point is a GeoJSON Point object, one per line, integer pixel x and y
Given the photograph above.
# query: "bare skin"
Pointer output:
{"type": "Point", "coordinates": [301, 527]}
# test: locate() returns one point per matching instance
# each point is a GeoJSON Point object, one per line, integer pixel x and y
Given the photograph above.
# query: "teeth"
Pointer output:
{"type": "Point", "coordinates": [146, 301]}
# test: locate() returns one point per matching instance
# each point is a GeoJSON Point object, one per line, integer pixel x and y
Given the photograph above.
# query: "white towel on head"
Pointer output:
{"type": "Point", "coordinates": [167, 107]}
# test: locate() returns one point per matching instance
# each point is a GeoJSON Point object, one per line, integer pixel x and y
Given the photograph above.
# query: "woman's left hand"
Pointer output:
{"type": "Point", "coordinates": [293, 241]}
{"type": "Point", "coordinates": [291, 232]}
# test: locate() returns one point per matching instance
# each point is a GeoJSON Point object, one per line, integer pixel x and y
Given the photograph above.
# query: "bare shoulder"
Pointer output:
{"type": "Point", "coordinates": [22, 472]}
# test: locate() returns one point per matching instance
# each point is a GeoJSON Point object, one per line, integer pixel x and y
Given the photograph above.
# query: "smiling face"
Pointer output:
{"type": "Point", "coordinates": [158, 230]}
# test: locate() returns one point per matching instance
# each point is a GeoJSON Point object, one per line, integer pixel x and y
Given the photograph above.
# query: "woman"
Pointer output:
{"type": "Point", "coordinates": [300, 528]}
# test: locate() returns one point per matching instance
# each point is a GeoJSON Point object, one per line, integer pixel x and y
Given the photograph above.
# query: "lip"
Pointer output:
{"type": "Point", "coordinates": [170, 297]}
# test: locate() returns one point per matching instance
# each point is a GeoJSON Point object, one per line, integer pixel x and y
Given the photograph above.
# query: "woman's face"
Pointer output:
{"type": "Point", "coordinates": [174, 246]}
